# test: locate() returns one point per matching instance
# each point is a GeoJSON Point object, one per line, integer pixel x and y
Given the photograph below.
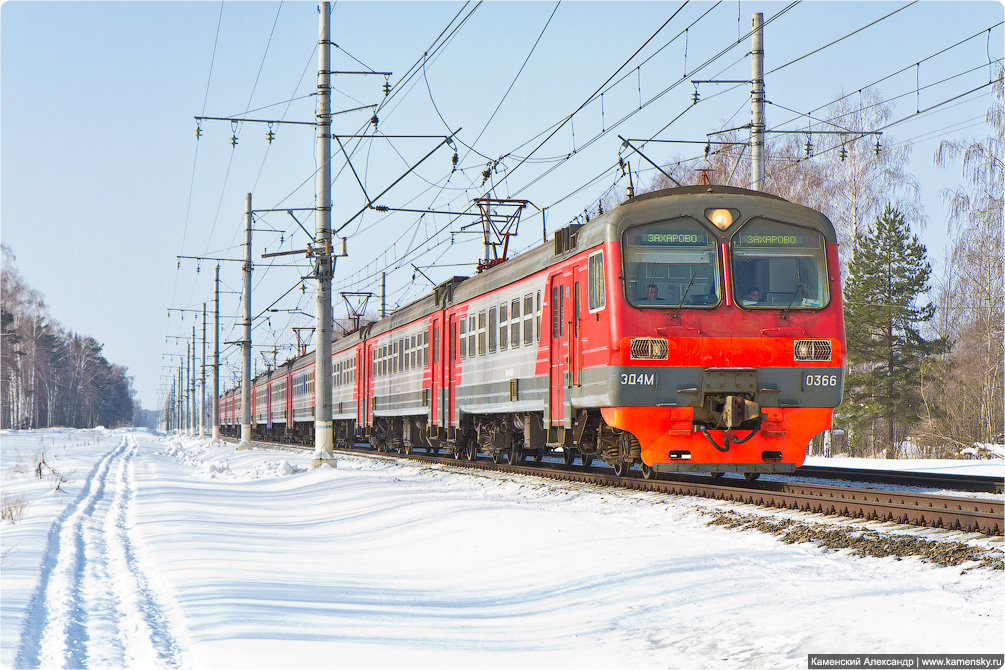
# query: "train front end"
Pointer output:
{"type": "Point", "coordinates": [728, 345]}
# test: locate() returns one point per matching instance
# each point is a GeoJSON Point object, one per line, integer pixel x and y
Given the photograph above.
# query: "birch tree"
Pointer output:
{"type": "Point", "coordinates": [973, 287]}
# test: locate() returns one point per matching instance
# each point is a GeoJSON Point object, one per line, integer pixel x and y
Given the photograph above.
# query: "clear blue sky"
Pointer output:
{"type": "Point", "coordinates": [104, 183]}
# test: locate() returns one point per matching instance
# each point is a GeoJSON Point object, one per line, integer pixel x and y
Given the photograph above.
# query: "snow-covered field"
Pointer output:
{"type": "Point", "coordinates": [161, 551]}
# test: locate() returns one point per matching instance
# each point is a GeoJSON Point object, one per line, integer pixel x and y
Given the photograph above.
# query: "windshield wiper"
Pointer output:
{"type": "Point", "coordinates": [683, 297]}
{"type": "Point", "coordinates": [799, 290]}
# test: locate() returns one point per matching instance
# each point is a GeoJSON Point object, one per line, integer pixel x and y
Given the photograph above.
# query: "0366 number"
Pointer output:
{"type": "Point", "coordinates": [820, 380]}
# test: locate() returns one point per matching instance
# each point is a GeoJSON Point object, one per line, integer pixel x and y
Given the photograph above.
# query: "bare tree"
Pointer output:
{"type": "Point", "coordinates": [972, 295]}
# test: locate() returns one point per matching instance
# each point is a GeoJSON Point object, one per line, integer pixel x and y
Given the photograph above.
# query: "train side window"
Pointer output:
{"type": "Point", "coordinates": [436, 342]}
{"type": "Point", "coordinates": [537, 316]}
{"type": "Point", "coordinates": [471, 337]}
{"type": "Point", "coordinates": [463, 346]}
{"type": "Point", "coordinates": [575, 310]}
{"type": "Point", "coordinates": [425, 348]}
{"type": "Point", "coordinates": [504, 326]}
{"type": "Point", "coordinates": [561, 312]}
{"type": "Point", "coordinates": [493, 324]}
{"type": "Point", "coordinates": [514, 327]}
{"type": "Point", "coordinates": [481, 333]}
{"type": "Point", "coordinates": [528, 319]}
{"type": "Point", "coordinates": [598, 296]}
{"type": "Point", "coordinates": [554, 312]}
{"type": "Point", "coordinates": [454, 343]}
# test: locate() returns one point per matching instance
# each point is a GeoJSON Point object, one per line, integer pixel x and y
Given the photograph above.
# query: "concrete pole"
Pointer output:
{"type": "Point", "coordinates": [323, 257]}
{"type": "Point", "coordinates": [216, 361]}
{"type": "Point", "coordinates": [202, 379]}
{"type": "Point", "coordinates": [383, 295]}
{"type": "Point", "coordinates": [757, 105]}
{"type": "Point", "coordinates": [246, 342]}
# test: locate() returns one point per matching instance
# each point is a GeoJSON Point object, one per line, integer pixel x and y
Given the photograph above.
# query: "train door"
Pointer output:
{"type": "Point", "coordinates": [289, 402]}
{"type": "Point", "coordinates": [452, 372]}
{"type": "Point", "coordinates": [575, 345]}
{"type": "Point", "coordinates": [268, 405]}
{"type": "Point", "coordinates": [436, 373]}
{"type": "Point", "coordinates": [367, 380]}
{"type": "Point", "coordinates": [560, 289]}
{"type": "Point", "coordinates": [358, 384]}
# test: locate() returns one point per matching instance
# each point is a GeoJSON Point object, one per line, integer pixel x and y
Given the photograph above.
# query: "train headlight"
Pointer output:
{"type": "Point", "coordinates": [722, 218]}
{"type": "Point", "coordinates": [812, 350]}
{"type": "Point", "coordinates": [649, 349]}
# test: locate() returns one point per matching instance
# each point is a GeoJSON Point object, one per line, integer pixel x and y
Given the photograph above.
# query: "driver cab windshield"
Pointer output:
{"type": "Point", "coordinates": [670, 263]}
{"type": "Point", "coordinates": [778, 266]}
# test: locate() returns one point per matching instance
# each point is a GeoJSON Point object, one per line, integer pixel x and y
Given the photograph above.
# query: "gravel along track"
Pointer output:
{"type": "Point", "coordinates": [864, 541]}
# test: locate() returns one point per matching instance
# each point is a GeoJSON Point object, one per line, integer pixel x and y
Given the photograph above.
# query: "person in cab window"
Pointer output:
{"type": "Point", "coordinates": [652, 294]}
{"type": "Point", "coordinates": [753, 296]}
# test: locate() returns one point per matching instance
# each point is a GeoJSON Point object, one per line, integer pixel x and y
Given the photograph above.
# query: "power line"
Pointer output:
{"type": "Point", "coordinates": [830, 44]}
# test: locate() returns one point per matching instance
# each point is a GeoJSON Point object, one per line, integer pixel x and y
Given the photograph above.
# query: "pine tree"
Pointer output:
{"type": "Point", "coordinates": [889, 276]}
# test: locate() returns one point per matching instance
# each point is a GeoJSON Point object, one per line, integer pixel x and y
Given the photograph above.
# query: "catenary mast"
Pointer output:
{"type": "Point", "coordinates": [323, 258]}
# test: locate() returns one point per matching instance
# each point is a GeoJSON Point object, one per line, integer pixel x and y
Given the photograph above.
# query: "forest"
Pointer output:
{"type": "Point", "coordinates": [51, 376]}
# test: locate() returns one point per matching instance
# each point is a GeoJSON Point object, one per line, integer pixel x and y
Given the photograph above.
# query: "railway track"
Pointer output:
{"type": "Point", "coordinates": [936, 511]}
{"type": "Point", "coordinates": [975, 483]}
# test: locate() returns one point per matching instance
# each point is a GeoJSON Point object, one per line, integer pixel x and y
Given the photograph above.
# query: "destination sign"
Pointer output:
{"type": "Point", "coordinates": [769, 240]}
{"type": "Point", "coordinates": [664, 238]}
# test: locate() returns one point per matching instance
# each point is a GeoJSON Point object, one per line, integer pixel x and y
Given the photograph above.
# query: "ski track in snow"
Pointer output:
{"type": "Point", "coordinates": [94, 606]}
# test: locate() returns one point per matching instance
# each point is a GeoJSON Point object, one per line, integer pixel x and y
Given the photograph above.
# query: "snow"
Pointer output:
{"type": "Point", "coordinates": [165, 551]}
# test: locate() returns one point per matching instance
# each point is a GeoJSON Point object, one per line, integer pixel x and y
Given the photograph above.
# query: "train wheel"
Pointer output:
{"type": "Point", "coordinates": [587, 459]}
{"type": "Point", "coordinates": [717, 475]}
{"type": "Point", "coordinates": [515, 454]}
{"type": "Point", "coordinates": [432, 450]}
{"type": "Point", "coordinates": [648, 472]}
{"type": "Point", "coordinates": [472, 451]}
{"type": "Point", "coordinates": [406, 448]}
{"type": "Point", "coordinates": [497, 457]}
{"type": "Point", "coordinates": [568, 455]}
{"type": "Point", "coordinates": [538, 455]}
{"type": "Point", "coordinates": [751, 476]}
{"type": "Point", "coordinates": [620, 469]}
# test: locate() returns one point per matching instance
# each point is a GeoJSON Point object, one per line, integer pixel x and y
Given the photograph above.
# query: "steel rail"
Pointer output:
{"type": "Point", "coordinates": [947, 512]}
{"type": "Point", "coordinates": [956, 482]}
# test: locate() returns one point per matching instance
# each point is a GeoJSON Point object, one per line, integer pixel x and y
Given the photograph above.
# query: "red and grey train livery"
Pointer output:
{"type": "Point", "coordinates": [696, 329]}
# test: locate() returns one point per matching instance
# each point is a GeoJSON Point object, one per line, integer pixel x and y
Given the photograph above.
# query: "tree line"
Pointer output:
{"type": "Point", "coordinates": [926, 353]}
{"type": "Point", "coordinates": [50, 376]}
